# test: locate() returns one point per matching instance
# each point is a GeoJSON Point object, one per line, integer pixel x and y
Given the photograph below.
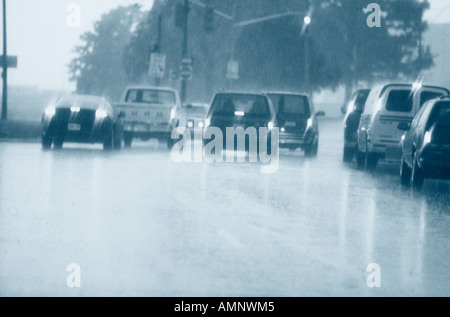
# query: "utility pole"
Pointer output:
{"type": "Point", "coordinates": [5, 68]}
{"type": "Point", "coordinates": [184, 80]}
{"type": "Point", "coordinates": [159, 44]}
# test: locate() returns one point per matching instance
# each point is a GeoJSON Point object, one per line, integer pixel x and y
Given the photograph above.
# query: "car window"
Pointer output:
{"type": "Point", "coordinates": [417, 117]}
{"type": "Point", "coordinates": [287, 105]}
{"type": "Point", "coordinates": [428, 95]}
{"type": "Point", "coordinates": [240, 105]}
{"type": "Point", "coordinates": [425, 115]}
{"type": "Point", "coordinates": [151, 96]}
{"type": "Point", "coordinates": [400, 101]}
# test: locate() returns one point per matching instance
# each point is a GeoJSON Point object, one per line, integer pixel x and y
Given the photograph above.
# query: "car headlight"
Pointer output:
{"type": "Point", "coordinates": [190, 124]}
{"type": "Point", "coordinates": [101, 114]}
{"type": "Point", "coordinates": [427, 138]}
{"type": "Point", "coordinates": [173, 113]}
{"type": "Point", "coordinates": [75, 109]}
{"type": "Point", "coordinates": [207, 123]}
{"type": "Point", "coordinates": [201, 124]}
{"type": "Point", "coordinates": [309, 124]}
{"type": "Point", "coordinates": [270, 125]}
{"type": "Point", "coordinates": [50, 111]}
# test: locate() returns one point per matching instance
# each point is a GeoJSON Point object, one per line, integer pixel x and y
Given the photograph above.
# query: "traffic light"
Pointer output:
{"type": "Point", "coordinates": [209, 18]}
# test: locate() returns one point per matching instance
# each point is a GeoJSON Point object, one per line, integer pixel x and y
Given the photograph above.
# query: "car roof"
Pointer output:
{"type": "Point", "coordinates": [285, 93]}
{"type": "Point", "coordinates": [143, 87]}
{"type": "Point", "coordinates": [82, 98]}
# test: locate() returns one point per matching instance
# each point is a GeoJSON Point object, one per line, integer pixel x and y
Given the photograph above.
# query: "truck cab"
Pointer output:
{"type": "Point", "coordinates": [150, 113]}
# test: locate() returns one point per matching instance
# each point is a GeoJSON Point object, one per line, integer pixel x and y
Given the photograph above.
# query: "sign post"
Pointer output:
{"type": "Point", "coordinates": [157, 65]}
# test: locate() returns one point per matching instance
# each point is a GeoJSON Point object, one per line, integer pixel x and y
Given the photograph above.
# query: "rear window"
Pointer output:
{"type": "Point", "coordinates": [151, 96]}
{"type": "Point", "coordinates": [241, 105]}
{"type": "Point", "coordinates": [290, 104]}
{"type": "Point", "coordinates": [400, 101]}
{"type": "Point", "coordinates": [428, 95]}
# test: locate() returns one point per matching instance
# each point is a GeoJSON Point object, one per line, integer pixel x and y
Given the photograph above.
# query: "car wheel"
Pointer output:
{"type": "Point", "coordinates": [108, 143]}
{"type": "Point", "coordinates": [118, 140]}
{"type": "Point", "coordinates": [127, 140]}
{"type": "Point", "coordinates": [58, 143]}
{"type": "Point", "coordinates": [348, 154]}
{"type": "Point", "coordinates": [371, 162]}
{"type": "Point", "coordinates": [46, 143]}
{"type": "Point", "coordinates": [360, 160]}
{"type": "Point", "coordinates": [170, 144]}
{"type": "Point", "coordinates": [405, 173]}
{"type": "Point", "coordinates": [311, 150]}
{"type": "Point", "coordinates": [417, 177]}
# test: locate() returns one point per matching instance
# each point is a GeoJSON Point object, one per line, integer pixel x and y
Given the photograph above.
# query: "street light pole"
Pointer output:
{"type": "Point", "coordinates": [306, 21]}
{"type": "Point", "coordinates": [185, 49]}
{"type": "Point", "coordinates": [5, 68]}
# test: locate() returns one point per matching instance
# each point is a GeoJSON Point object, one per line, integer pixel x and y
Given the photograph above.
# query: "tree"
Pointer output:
{"type": "Point", "coordinates": [98, 67]}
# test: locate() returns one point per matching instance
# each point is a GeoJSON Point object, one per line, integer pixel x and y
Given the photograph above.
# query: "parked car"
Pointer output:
{"type": "Point", "coordinates": [354, 108]}
{"type": "Point", "coordinates": [242, 110]}
{"type": "Point", "coordinates": [297, 120]}
{"type": "Point", "coordinates": [192, 116]}
{"type": "Point", "coordinates": [81, 119]}
{"type": "Point", "coordinates": [386, 107]}
{"type": "Point", "coordinates": [426, 144]}
{"type": "Point", "coordinates": [151, 112]}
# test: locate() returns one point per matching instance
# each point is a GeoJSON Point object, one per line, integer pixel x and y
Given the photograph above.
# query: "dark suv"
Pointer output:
{"type": "Point", "coordinates": [297, 120]}
{"type": "Point", "coordinates": [355, 108]}
{"type": "Point", "coordinates": [241, 111]}
{"type": "Point", "coordinates": [426, 145]}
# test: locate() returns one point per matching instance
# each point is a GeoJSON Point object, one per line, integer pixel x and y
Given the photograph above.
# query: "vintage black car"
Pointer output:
{"type": "Point", "coordinates": [297, 120]}
{"type": "Point", "coordinates": [426, 144]}
{"type": "Point", "coordinates": [81, 119]}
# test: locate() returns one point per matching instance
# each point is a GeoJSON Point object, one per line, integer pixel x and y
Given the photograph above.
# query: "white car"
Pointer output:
{"type": "Point", "coordinates": [386, 107]}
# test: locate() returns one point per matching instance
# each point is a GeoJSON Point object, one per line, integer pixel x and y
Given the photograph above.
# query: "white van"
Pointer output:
{"type": "Point", "coordinates": [386, 107]}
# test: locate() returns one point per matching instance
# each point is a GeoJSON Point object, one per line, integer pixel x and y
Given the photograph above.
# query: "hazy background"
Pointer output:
{"type": "Point", "coordinates": [39, 35]}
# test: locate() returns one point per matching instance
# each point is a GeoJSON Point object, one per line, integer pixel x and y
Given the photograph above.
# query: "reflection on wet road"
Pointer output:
{"type": "Point", "coordinates": [139, 224]}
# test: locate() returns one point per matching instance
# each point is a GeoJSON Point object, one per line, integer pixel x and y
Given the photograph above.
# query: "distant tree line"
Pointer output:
{"type": "Point", "coordinates": [340, 48]}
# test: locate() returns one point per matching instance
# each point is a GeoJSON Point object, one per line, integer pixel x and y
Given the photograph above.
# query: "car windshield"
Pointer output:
{"type": "Point", "coordinates": [290, 105]}
{"type": "Point", "coordinates": [238, 107]}
{"type": "Point", "coordinates": [198, 111]}
{"type": "Point", "coordinates": [151, 96]}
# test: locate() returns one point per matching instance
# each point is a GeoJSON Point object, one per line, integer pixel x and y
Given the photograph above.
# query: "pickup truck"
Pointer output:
{"type": "Point", "coordinates": [150, 113]}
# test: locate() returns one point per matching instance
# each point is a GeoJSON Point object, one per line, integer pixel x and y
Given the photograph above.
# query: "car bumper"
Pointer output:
{"type": "Point", "coordinates": [70, 128]}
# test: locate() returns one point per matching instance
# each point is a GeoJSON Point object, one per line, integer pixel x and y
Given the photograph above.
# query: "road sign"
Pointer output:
{"type": "Point", "coordinates": [10, 60]}
{"type": "Point", "coordinates": [186, 72]}
{"type": "Point", "coordinates": [157, 65]}
{"type": "Point", "coordinates": [233, 70]}
{"type": "Point", "coordinates": [186, 68]}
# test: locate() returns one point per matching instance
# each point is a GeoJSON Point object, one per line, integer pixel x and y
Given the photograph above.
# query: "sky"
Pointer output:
{"type": "Point", "coordinates": [39, 35]}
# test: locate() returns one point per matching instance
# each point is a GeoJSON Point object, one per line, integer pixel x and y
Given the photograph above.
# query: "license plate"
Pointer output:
{"type": "Point", "coordinates": [74, 127]}
{"type": "Point", "coordinates": [290, 124]}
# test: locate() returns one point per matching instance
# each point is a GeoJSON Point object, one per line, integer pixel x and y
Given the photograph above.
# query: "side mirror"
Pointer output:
{"type": "Point", "coordinates": [321, 114]}
{"type": "Point", "coordinates": [404, 126]}
{"type": "Point", "coordinates": [121, 115]}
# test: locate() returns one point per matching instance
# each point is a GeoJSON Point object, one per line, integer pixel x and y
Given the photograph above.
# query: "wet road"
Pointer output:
{"type": "Point", "coordinates": [139, 224]}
